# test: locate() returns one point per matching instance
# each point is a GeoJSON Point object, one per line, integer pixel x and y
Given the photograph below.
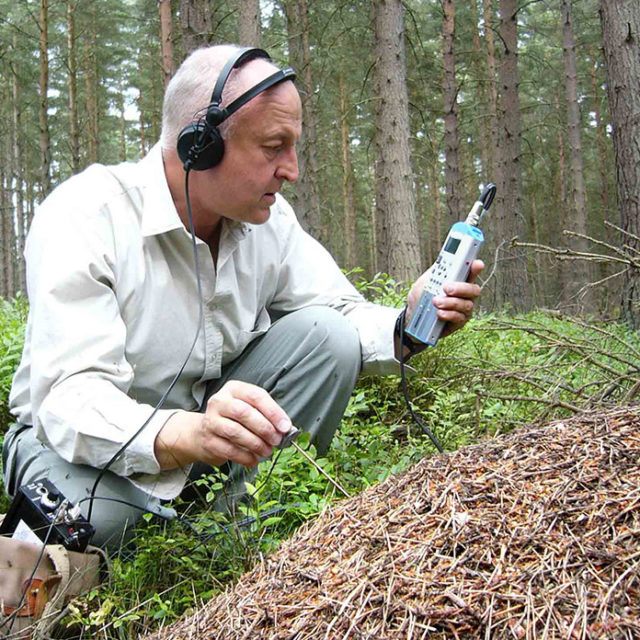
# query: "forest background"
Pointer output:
{"type": "Point", "coordinates": [408, 107]}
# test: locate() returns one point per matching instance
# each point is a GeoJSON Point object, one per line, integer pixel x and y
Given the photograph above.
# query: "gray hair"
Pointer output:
{"type": "Point", "coordinates": [189, 91]}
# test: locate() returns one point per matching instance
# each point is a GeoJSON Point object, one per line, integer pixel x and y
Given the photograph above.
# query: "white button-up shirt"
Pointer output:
{"type": "Point", "coordinates": [114, 311]}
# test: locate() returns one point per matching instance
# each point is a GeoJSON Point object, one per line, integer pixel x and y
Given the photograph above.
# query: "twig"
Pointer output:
{"type": "Point", "coordinates": [300, 450]}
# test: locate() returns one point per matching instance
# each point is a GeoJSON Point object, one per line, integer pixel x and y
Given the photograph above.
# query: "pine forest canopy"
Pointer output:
{"type": "Point", "coordinates": [408, 108]}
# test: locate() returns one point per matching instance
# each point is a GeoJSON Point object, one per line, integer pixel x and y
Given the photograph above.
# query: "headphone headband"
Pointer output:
{"type": "Point", "coordinates": [274, 78]}
{"type": "Point", "coordinates": [244, 55]}
{"type": "Point", "coordinates": [200, 145]}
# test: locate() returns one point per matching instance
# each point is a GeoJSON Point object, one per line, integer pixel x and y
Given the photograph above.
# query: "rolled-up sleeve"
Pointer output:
{"type": "Point", "coordinates": [309, 275]}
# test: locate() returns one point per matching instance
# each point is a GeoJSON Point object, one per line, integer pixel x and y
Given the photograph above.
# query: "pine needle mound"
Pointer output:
{"type": "Point", "coordinates": [531, 535]}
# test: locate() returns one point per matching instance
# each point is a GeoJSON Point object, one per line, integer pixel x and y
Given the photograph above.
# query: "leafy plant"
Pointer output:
{"type": "Point", "coordinates": [12, 324]}
{"type": "Point", "coordinates": [499, 373]}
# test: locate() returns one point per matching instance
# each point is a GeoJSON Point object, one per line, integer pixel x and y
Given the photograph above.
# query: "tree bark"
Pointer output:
{"type": "Point", "coordinates": [249, 31]}
{"type": "Point", "coordinates": [579, 272]}
{"type": "Point", "coordinates": [91, 86]}
{"type": "Point", "coordinates": [166, 40]}
{"type": "Point", "coordinates": [72, 83]}
{"type": "Point", "coordinates": [307, 197]}
{"type": "Point", "coordinates": [16, 174]}
{"type": "Point", "coordinates": [513, 285]}
{"type": "Point", "coordinates": [6, 211]}
{"type": "Point", "coordinates": [621, 42]}
{"type": "Point", "coordinates": [142, 125]}
{"type": "Point", "coordinates": [601, 136]}
{"type": "Point", "coordinates": [350, 257]}
{"type": "Point", "coordinates": [45, 140]}
{"type": "Point", "coordinates": [398, 243]}
{"type": "Point", "coordinates": [195, 23]}
{"type": "Point", "coordinates": [450, 89]}
{"type": "Point", "coordinates": [492, 90]}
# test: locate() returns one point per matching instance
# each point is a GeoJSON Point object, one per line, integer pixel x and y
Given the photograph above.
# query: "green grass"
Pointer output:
{"type": "Point", "coordinates": [499, 373]}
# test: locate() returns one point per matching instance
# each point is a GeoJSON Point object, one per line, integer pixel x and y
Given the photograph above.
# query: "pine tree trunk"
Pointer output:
{"type": "Point", "coordinates": [307, 197]}
{"type": "Point", "coordinates": [123, 123]}
{"type": "Point", "coordinates": [4, 231]}
{"type": "Point", "coordinates": [492, 90]}
{"type": "Point", "coordinates": [166, 40]}
{"type": "Point", "coordinates": [16, 172]}
{"type": "Point", "coordinates": [91, 87]}
{"type": "Point", "coordinates": [513, 285]}
{"type": "Point", "coordinates": [72, 83]}
{"type": "Point", "coordinates": [45, 141]}
{"type": "Point", "coordinates": [143, 125]}
{"type": "Point", "coordinates": [621, 42]}
{"type": "Point", "coordinates": [8, 233]}
{"type": "Point", "coordinates": [350, 257]}
{"type": "Point", "coordinates": [249, 23]}
{"type": "Point", "coordinates": [195, 23]}
{"type": "Point", "coordinates": [580, 273]}
{"type": "Point", "coordinates": [398, 244]}
{"type": "Point", "coordinates": [478, 57]}
{"type": "Point", "coordinates": [453, 185]}
{"type": "Point", "coordinates": [601, 136]}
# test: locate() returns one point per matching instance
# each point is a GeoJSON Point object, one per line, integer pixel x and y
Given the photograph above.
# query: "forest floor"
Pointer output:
{"type": "Point", "coordinates": [534, 534]}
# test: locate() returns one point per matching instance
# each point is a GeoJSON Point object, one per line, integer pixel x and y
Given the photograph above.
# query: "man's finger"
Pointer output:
{"type": "Point", "coordinates": [264, 403]}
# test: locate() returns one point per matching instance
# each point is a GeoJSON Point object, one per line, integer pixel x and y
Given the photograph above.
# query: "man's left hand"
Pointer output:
{"type": "Point", "coordinates": [456, 307]}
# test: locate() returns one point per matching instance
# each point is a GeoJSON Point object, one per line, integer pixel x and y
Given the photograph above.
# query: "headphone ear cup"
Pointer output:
{"type": "Point", "coordinates": [200, 146]}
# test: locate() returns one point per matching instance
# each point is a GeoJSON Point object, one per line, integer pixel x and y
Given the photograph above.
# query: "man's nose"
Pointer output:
{"type": "Point", "coordinates": [288, 167]}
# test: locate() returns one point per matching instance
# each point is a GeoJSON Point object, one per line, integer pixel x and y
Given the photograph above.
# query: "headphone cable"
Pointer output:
{"type": "Point", "coordinates": [163, 399]}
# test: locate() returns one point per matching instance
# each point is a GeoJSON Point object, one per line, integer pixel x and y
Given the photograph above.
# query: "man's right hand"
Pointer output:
{"type": "Point", "coordinates": [242, 423]}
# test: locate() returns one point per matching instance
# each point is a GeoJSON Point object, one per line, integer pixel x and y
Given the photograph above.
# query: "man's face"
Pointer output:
{"type": "Point", "coordinates": [259, 156]}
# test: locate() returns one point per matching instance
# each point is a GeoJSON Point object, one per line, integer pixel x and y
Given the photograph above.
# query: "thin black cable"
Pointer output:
{"type": "Point", "coordinates": [184, 364]}
{"type": "Point", "coordinates": [405, 391]}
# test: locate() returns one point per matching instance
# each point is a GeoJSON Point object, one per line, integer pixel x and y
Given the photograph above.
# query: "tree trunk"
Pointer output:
{"type": "Point", "coordinates": [307, 197]}
{"type": "Point", "coordinates": [166, 40]}
{"type": "Point", "coordinates": [91, 86]}
{"type": "Point", "coordinates": [601, 137]}
{"type": "Point", "coordinates": [453, 185]}
{"type": "Point", "coordinates": [143, 125]}
{"type": "Point", "coordinates": [6, 212]}
{"type": "Point", "coordinates": [350, 254]}
{"type": "Point", "coordinates": [195, 22]}
{"type": "Point", "coordinates": [513, 285]}
{"type": "Point", "coordinates": [481, 79]}
{"type": "Point", "coordinates": [580, 273]}
{"type": "Point", "coordinates": [621, 42]}
{"type": "Point", "coordinates": [492, 90]}
{"type": "Point", "coordinates": [398, 244]}
{"type": "Point", "coordinates": [72, 83]}
{"type": "Point", "coordinates": [249, 23]}
{"type": "Point", "coordinates": [123, 123]}
{"type": "Point", "coordinates": [45, 141]}
{"type": "Point", "coordinates": [16, 175]}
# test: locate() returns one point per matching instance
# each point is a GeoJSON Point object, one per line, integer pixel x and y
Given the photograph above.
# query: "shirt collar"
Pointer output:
{"type": "Point", "coordinates": [159, 214]}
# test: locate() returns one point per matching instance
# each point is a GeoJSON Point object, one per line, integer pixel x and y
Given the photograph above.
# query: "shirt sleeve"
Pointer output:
{"type": "Point", "coordinates": [79, 376]}
{"type": "Point", "coordinates": [309, 275]}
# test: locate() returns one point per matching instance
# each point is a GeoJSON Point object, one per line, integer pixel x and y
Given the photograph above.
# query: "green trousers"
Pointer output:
{"type": "Point", "coordinates": [308, 361]}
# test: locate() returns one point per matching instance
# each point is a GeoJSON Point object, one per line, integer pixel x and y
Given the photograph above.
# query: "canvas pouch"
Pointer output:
{"type": "Point", "coordinates": [60, 575]}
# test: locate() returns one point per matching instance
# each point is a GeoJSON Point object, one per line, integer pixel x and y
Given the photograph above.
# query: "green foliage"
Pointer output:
{"type": "Point", "coordinates": [12, 320]}
{"type": "Point", "coordinates": [382, 288]}
{"type": "Point", "coordinates": [499, 373]}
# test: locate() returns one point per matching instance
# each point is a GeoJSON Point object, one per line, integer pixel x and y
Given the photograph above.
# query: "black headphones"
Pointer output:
{"type": "Point", "coordinates": [200, 145]}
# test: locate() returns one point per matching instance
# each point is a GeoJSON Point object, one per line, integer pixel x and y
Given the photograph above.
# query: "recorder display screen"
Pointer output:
{"type": "Point", "coordinates": [452, 245]}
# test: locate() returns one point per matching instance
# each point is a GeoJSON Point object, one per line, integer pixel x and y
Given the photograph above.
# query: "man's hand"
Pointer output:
{"type": "Point", "coordinates": [456, 307]}
{"type": "Point", "coordinates": [242, 423]}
